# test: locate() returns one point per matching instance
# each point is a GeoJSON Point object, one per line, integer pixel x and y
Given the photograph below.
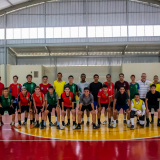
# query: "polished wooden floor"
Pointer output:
{"type": "Point", "coordinates": [119, 143]}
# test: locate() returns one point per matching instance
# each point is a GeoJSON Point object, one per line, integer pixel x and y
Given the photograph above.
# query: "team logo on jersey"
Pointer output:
{"type": "Point", "coordinates": [27, 98]}
{"type": "Point", "coordinates": [110, 87]}
{"type": "Point", "coordinates": [107, 94]}
{"type": "Point", "coordinates": [8, 100]}
{"type": "Point", "coordinates": [47, 88]}
{"type": "Point", "coordinates": [42, 88]}
{"type": "Point", "coordinates": [70, 98]}
{"type": "Point", "coordinates": [40, 98]}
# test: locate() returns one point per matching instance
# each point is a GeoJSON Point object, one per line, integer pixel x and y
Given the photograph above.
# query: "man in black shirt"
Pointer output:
{"type": "Point", "coordinates": [94, 88]}
{"type": "Point", "coordinates": [152, 101]}
{"type": "Point", "coordinates": [120, 101]}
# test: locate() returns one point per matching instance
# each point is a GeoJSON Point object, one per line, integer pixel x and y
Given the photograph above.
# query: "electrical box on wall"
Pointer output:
{"type": "Point", "coordinates": [36, 74]}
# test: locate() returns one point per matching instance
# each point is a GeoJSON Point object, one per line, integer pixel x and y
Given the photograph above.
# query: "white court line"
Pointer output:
{"type": "Point", "coordinates": [61, 139]}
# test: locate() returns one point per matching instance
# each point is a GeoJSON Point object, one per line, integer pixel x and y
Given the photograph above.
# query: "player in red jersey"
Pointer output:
{"type": "Point", "coordinates": [15, 89]}
{"type": "Point", "coordinates": [44, 89]}
{"type": "Point", "coordinates": [1, 92]}
{"type": "Point", "coordinates": [104, 100]}
{"type": "Point", "coordinates": [68, 99]}
{"type": "Point", "coordinates": [111, 86]}
{"type": "Point", "coordinates": [24, 99]}
{"type": "Point", "coordinates": [39, 103]}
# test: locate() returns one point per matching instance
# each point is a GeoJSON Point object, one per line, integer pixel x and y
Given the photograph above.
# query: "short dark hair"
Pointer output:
{"type": "Point", "coordinates": [15, 76]}
{"type": "Point", "coordinates": [59, 73]}
{"type": "Point", "coordinates": [121, 87]}
{"type": "Point", "coordinates": [6, 88]}
{"type": "Point", "coordinates": [50, 87]}
{"type": "Point", "coordinates": [133, 75]}
{"type": "Point", "coordinates": [45, 77]}
{"type": "Point", "coordinates": [108, 75]}
{"type": "Point", "coordinates": [66, 87]}
{"type": "Point", "coordinates": [37, 87]}
{"type": "Point", "coordinates": [86, 88]}
{"type": "Point", "coordinates": [70, 76]}
{"type": "Point", "coordinates": [83, 74]}
{"type": "Point", "coordinates": [153, 85]}
{"type": "Point", "coordinates": [29, 75]}
{"type": "Point", "coordinates": [0, 77]}
{"type": "Point", "coordinates": [155, 76]}
{"type": "Point", "coordinates": [136, 94]}
{"type": "Point", "coordinates": [121, 74]}
{"type": "Point", "coordinates": [104, 86]}
{"type": "Point", "coordinates": [96, 75]}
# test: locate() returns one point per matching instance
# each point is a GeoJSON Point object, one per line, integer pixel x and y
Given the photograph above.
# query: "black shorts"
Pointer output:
{"type": "Point", "coordinates": [104, 105]}
{"type": "Point", "coordinates": [15, 106]}
{"type": "Point", "coordinates": [60, 103]}
{"type": "Point", "coordinates": [111, 105]}
{"type": "Point", "coordinates": [75, 105]}
{"type": "Point", "coordinates": [153, 106]}
{"type": "Point", "coordinates": [24, 108]}
{"type": "Point", "coordinates": [89, 107]}
{"type": "Point", "coordinates": [50, 107]}
{"type": "Point", "coordinates": [9, 109]}
{"type": "Point", "coordinates": [38, 109]}
{"type": "Point", "coordinates": [133, 113]}
{"type": "Point", "coordinates": [143, 99]}
{"type": "Point", "coordinates": [65, 108]}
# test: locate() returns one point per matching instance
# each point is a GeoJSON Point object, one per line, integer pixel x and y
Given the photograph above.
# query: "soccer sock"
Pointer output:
{"type": "Point", "coordinates": [44, 123]}
{"type": "Point", "coordinates": [128, 121]}
{"type": "Point", "coordinates": [94, 124]}
{"type": "Point", "coordinates": [117, 117]}
{"type": "Point", "coordinates": [152, 116]}
{"type": "Point", "coordinates": [25, 119]}
{"type": "Point", "coordinates": [49, 116]}
{"type": "Point", "coordinates": [147, 119]}
{"type": "Point", "coordinates": [33, 119]}
{"type": "Point", "coordinates": [82, 119]}
{"type": "Point", "coordinates": [12, 122]}
{"type": "Point", "coordinates": [37, 123]}
{"type": "Point", "coordinates": [74, 122]}
{"type": "Point", "coordinates": [114, 121]}
{"type": "Point", "coordinates": [0, 123]}
{"type": "Point", "coordinates": [57, 123]}
{"type": "Point", "coordinates": [31, 122]}
{"type": "Point", "coordinates": [105, 118]}
{"type": "Point", "coordinates": [55, 113]}
{"type": "Point", "coordinates": [111, 118]}
{"type": "Point", "coordinates": [124, 117]}
{"type": "Point", "coordinates": [132, 121]}
{"type": "Point", "coordinates": [99, 121]}
{"type": "Point", "coordinates": [56, 119]}
{"type": "Point", "coordinates": [63, 123]}
{"type": "Point", "coordinates": [109, 121]}
{"type": "Point", "coordinates": [88, 119]}
{"type": "Point", "coordinates": [19, 122]}
{"type": "Point", "coordinates": [69, 121]}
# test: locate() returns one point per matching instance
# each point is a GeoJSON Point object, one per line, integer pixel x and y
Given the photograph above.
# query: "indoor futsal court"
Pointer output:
{"type": "Point", "coordinates": [79, 79]}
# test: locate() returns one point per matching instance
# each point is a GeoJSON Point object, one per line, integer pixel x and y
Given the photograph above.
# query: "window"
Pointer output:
{"type": "Point", "coordinates": [116, 31]}
{"type": "Point", "coordinates": [40, 32]}
{"type": "Point", "coordinates": [132, 31]}
{"type": "Point", "coordinates": [99, 31]}
{"type": "Point", "coordinates": [123, 31]}
{"type": "Point", "coordinates": [49, 32]}
{"type": "Point", "coordinates": [9, 34]}
{"type": "Point", "coordinates": [74, 32]}
{"type": "Point", "coordinates": [156, 30]}
{"type": "Point", "coordinates": [17, 33]}
{"type": "Point", "coordinates": [57, 32]}
{"type": "Point", "coordinates": [33, 33]}
{"type": "Point", "coordinates": [25, 33]}
{"type": "Point", "coordinates": [65, 32]}
{"type": "Point", "coordinates": [108, 31]}
{"type": "Point", "coordinates": [82, 32]}
{"type": "Point", "coordinates": [91, 31]}
{"type": "Point", "coordinates": [140, 30]}
{"type": "Point", "coordinates": [1, 33]}
{"type": "Point", "coordinates": [148, 30]}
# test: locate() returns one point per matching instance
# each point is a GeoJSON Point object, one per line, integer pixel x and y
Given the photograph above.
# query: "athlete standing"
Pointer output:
{"type": "Point", "coordinates": [74, 89]}
{"type": "Point", "coordinates": [81, 85]}
{"type": "Point", "coordinates": [1, 92]}
{"type": "Point", "coordinates": [30, 87]}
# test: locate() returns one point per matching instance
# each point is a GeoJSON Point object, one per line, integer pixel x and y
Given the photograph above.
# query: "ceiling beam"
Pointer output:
{"type": "Point", "coordinates": [124, 49]}
{"type": "Point", "coordinates": [47, 50]}
{"type": "Point", "coordinates": [10, 3]}
{"type": "Point", "coordinates": [150, 1]}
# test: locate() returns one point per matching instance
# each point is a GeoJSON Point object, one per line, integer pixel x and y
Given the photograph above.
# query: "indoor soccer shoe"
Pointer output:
{"type": "Point", "coordinates": [152, 121]}
{"type": "Point", "coordinates": [62, 127]}
{"type": "Point", "coordinates": [35, 123]}
{"type": "Point", "coordinates": [42, 127]}
{"type": "Point", "coordinates": [114, 125]}
{"type": "Point", "coordinates": [31, 126]}
{"type": "Point", "coordinates": [24, 123]}
{"type": "Point", "coordinates": [36, 126]}
{"type": "Point", "coordinates": [129, 125]}
{"type": "Point", "coordinates": [40, 123]}
{"type": "Point", "coordinates": [95, 127]}
{"type": "Point", "coordinates": [18, 126]}
{"type": "Point", "coordinates": [98, 125]}
{"type": "Point", "coordinates": [12, 126]}
{"type": "Point", "coordinates": [78, 127]}
{"type": "Point", "coordinates": [67, 125]}
{"type": "Point", "coordinates": [54, 124]}
{"type": "Point", "coordinates": [73, 126]}
{"type": "Point", "coordinates": [51, 124]}
{"type": "Point", "coordinates": [87, 123]}
{"type": "Point", "coordinates": [82, 122]}
{"type": "Point", "coordinates": [124, 121]}
{"type": "Point", "coordinates": [110, 126]}
{"type": "Point", "coordinates": [105, 122]}
{"type": "Point", "coordinates": [132, 127]}
{"type": "Point", "coordinates": [58, 127]}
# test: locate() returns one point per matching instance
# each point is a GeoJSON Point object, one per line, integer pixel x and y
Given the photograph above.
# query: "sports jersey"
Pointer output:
{"type": "Point", "coordinates": [86, 100]}
{"type": "Point", "coordinates": [44, 87]}
{"type": "Point", "coordinates": [81, 87]}
{"type": "Point", "coordinates": [15, 89]}
{"type": "Point", "coordinates": [59, 87]}
{"type": "Point", "coordinates": [6, 102]}
{"type": "Point", "coordinates": [140, 105]}
{"type": "Point", "coordinates": [30, 87]}
{"type": "Point", "coordinates": [51, 98]}
{"type": "Point", "coordinates": [118, 84]}
{"type": "Point", "coordinates": [1, 88]}
{"type": "Point", "coordinates": [111, 86]}
{"type": "Point", "coordinates": [73, 88]}
{"type": "Point", "coordinates": [121, 98]}
{"type": "Point", "coordinates": [157, 86]}
{"type": "Point", "coordinates": [104, 97]}
{"type": "Point", "coordinates": [144, 88]}
{"type": "Point", "coordinates": [153, 99]}
{"type": "Point", "coordinates": [68, 99]}
{"type": "Point", "coordinates": [24, 99]}
{"type": "Point", "coordinates": [133, 89]}
{"type": "Point", "coordinates": [38, 99]}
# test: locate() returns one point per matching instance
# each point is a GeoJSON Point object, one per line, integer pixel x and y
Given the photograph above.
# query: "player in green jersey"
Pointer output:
{"type": "Point", "coordinates": [74, 89]}
{"type": "Point", "coordinates": [30, 86]}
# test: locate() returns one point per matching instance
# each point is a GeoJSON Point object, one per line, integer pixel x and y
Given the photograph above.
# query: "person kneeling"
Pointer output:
{"type": "Point", "coordinates": [24, 99]}
{"type": "Point", "coordinates": [68, 99]}
{"type": "Point", "coordinates": [6, 104]}
{"type": "Point", "coordinates": [86, 102]}
{"type": "Point", "coordinates": [137, 105]}
{"type": "Point", "coordinates": [51, 101]}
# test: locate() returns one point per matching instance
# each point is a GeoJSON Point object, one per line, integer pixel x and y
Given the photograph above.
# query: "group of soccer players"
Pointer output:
{"type": "Point", "coordinates": [135, 98]}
